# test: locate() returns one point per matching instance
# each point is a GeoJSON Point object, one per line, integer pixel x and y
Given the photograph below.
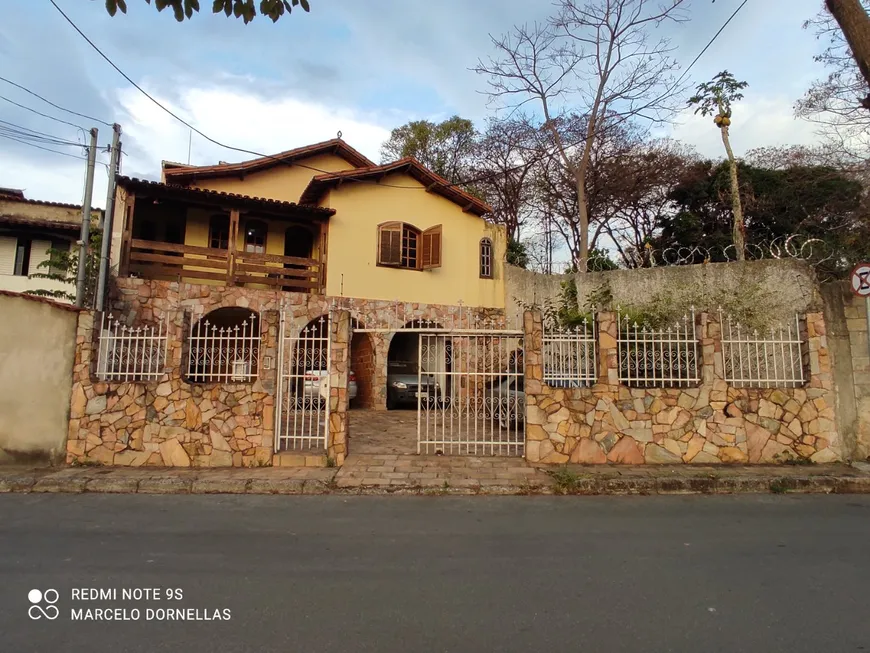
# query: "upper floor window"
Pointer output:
{"type": "Point", "coordinates": [255, 237]}
{"type": "Point", "coordinates": [219, 232]}
{"type": "Point", "coordinates": [402, 245]}
{"type": "Point", "coordinates": [485, 258]}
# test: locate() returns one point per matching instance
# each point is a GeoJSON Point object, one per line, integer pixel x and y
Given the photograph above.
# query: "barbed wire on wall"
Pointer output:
{"type": "Point", "coordinates": [814, 251]}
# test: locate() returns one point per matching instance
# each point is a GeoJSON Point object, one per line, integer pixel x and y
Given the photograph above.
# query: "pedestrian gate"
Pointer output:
{"type": "Point", "coordinates": [302, 410]}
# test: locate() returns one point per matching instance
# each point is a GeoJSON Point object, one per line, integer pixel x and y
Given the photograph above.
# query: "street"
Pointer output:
{"type": "Point", "coordinates": [337, 573]}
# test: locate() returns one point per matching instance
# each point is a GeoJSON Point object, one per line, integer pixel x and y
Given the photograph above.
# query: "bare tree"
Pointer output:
{"type": "Point", "coordinates": [595, 59]}
{"type": "Point", "coordinates": [837, 103]}
{"type": "Point", "coordinates": [503, 164]}
{"type": "Point", "coordinates": [851, 16]}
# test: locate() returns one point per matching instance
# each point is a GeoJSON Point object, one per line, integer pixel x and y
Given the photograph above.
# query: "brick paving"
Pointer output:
{"type": "Point", "coordinates": [389, 432]}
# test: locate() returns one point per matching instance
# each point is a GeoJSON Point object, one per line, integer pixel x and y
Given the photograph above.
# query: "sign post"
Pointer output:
{"type": "Point", "coordinates": [861, 287]}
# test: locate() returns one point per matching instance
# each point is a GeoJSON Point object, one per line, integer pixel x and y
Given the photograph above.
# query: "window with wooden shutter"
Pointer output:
{"type": "Point", "coordinates": [390, 244]}
{"type": "Point", "coordinates": [8, 247]}
{"type": "Point", "coordinates": [38, 255]}
{"type": "Point", "coordinates": [432, 248]}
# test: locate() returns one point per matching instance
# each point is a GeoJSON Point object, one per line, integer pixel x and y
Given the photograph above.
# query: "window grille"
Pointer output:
{"type": "Point", "coordinates": [762, 360]}
{"type": "Point", "coordinates": [486, 258]}
{"type": "Point", "coordinates": [664, 357]}
{"type": "Point", "coordinates": [130, 354]}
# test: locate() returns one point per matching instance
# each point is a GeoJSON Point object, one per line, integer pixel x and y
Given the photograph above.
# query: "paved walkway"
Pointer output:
{"type": "Point", "coordinates": [389, 432]}
{"type": "Point", "coordinates": [395, 474]}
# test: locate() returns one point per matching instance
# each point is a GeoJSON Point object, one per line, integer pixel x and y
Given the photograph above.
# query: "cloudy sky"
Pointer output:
{"type": "Point", "coordinates": [360, 67]}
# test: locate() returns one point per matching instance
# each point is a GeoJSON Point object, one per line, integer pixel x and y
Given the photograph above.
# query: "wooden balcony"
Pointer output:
{"type": "Point", "coordinates": [157, 260]}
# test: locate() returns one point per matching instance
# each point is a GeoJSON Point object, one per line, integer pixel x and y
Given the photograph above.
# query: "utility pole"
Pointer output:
{"type": "Point", "coordinates": [114, 164]}
{"type": "Point", "coordinates": [86, 221]}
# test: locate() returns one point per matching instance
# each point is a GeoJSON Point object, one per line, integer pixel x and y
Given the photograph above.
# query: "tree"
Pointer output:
{"type": "Point", "coordinates": [715, 98]}
{"type": "Point", "coordinates": [244, 9]}
{"type": "Point", "coordinates": [63, 266]}
{"type": "Point", "coordinates": [592, 59]}
{"type": "Point", "coordinates": [836, 103]}
{"type": "Point", "coordinates": [446, 148]}
{"type": "Point", "coordinates": [851, 16]}
{"type": "Point", "coordinates": [815, 202]}
{"type": "Point", "coordinates": [502, 167]}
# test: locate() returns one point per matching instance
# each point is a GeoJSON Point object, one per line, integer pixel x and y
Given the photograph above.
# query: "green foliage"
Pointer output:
{"type": "Point", "coordinates": [816, 202]}
{"type": "Point", "coordinates": [63, 266]}
{"type": "Point", "coordinates": [245, 9]}
{"type": "Point", "coordinates": [516, 254]}
{"type": "Point", "coordinates": [445, 148]}
{"type": "Point", "coordinates": [565, 480]}
{"type": "Point", "coordinates": [716, 96]}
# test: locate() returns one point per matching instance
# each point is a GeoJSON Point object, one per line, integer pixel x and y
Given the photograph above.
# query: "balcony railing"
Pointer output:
{"type": "Point", "coordinates": [152, 259]}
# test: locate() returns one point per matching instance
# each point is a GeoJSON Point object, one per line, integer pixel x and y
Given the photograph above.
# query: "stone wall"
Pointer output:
{"type": "Point", "coordinates": [177, 423]}
{"type": "Point", "coordinates": [711, 423]}
{"type": "Point", "coordinates": [763, 293]}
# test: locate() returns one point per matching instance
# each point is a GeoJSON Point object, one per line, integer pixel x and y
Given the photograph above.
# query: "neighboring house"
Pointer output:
{"type": "Point", "coordinates": [321, 219]}
{"type": "Point", "coordinates": [28, 229]}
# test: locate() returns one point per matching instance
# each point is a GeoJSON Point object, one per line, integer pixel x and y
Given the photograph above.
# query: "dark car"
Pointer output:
{"type": "Point", "coordinates": [406, 387]}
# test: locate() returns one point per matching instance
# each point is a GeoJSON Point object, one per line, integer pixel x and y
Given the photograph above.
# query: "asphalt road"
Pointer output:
{"type": "Point", "coordinates": [416, 574]}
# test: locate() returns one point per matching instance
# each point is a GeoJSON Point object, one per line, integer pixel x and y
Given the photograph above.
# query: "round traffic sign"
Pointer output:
{"type": "Point", "coordinates": [861, 280]}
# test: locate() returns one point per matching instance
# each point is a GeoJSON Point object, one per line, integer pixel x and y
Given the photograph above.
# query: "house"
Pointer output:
{"type": "Point", "coordinates": [320, 219]}
{"type": "Point", "coordinates": [28, 229]}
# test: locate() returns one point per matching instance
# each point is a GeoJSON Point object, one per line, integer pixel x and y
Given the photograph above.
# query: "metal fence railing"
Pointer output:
{"type": "Point", "coordinates": [570, 355]}
{"type": "Point", "coordinates": [130, 353]}
{"type": "Point", "coordinates": [658, 357]}
{"type": "Point", "coordinates": [752, 359]}
{"type": "Point", "coordinates": [224, 354]}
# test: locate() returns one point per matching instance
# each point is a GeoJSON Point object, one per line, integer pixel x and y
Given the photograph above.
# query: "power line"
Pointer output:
{"type": "Point", "coordinates": [74, 156]}
{"type": "Point", "coordinates": [267, 156]}
{"type": "Point", "coordinates": [36, 135]}
{"type": "Point", "coordinates": [39, 113]}
{"type": "Point", "coordinates": [56, 106]}
{"type": "Point", "coordinates": [184, 122]}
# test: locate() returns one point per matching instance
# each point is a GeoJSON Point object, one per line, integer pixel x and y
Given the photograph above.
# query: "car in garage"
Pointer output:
{"type": "Point", "coordinates": [405, 387]}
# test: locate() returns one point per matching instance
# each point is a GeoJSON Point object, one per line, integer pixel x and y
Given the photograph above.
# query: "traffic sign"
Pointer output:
{"type": "Point", "coordinates": [861, 280]}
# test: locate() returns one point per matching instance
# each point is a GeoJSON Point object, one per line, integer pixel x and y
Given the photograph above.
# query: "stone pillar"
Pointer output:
{"type": "Point", "coordinates": [533, 345]}
{"type": "Point", "coordinates": [339, 335]}
{"type": "Point", "coordinates": [608, 354]}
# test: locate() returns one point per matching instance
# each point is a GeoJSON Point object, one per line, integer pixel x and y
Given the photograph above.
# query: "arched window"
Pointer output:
{"type": "Point", "coordinates": [255, 237]}
{"type": "Point", "coordinates": [219, 232]}
{"type": "Point", "coordinates": [485, 258]}
{"type": "Point", "coordinates": [224, 347]}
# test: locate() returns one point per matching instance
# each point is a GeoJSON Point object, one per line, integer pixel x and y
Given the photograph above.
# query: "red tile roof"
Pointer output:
{"type": "Point", "coordinates": [204, 195]}
{"type": "Point", "coordinates": [47, 223]}
{"type": "Point", "coordinates": [180, 173]}
{"type": "Point", "coordinates": [434, 183]}
{"type": "Point", "coordinates": [44, 300]}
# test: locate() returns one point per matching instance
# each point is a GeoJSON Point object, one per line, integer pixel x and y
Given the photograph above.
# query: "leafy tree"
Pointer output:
{"type": "Point", "coordinates": [245, 9]}
{"type": "Point", "coordinates": [516, 254]}
{"type": "Point", "coordinates": [818, 202]}
{"type": "Point", "coordinates": [446, 148]}
{"type": "Point", "coordinates": [715, 98]}
{"type": "Point", "coordinates": [63, 266]}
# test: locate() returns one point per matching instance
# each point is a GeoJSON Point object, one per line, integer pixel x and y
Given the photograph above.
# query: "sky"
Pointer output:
{"type": "Point", "coordinates": [359, 67]}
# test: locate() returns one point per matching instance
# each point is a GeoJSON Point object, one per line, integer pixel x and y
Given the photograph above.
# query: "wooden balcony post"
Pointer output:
{"type": "Point", "coordinates": [126, 235]}
{"type": "Point", "coordinates": [321, 271]}
{"type": "Point", "coordinates": [231, 249]}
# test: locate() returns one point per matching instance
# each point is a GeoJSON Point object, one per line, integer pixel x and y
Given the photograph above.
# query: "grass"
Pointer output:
{"type": "Point", "coordinates": [565, 480]}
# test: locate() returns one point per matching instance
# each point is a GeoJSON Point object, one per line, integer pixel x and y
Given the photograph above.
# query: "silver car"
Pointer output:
{"type": "Point", "coordinates": [315, 382]}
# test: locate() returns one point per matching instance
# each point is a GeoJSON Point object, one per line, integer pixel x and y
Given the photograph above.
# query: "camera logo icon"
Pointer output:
{"type": "Point", "coordinates": [37, 598]}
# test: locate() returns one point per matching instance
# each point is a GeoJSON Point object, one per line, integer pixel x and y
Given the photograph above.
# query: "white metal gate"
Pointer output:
{"type": "Point", "coordinates": [470, 395]}
{"type": "Point", "coordinates": [302, 411]}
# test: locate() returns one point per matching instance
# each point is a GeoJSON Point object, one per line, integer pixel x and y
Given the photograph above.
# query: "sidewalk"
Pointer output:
{"type": "Point", "coordinates": [442, 475]}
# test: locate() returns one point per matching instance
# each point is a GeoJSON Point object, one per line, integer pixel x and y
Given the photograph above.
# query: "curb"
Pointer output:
{"type": "Point", "coordinates": [25, 483]}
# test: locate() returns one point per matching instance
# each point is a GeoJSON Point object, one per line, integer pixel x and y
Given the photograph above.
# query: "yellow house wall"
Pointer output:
{"type": "Point", "coordinates": [282, 182]}
{"type": "Point", "coordinates": [352, 268]}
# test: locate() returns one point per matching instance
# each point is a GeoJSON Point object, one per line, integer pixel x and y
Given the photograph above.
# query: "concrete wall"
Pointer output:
{"type": "Point", "coordinates": [761, 293]}
{"type": "Point", "coordinates": [846, 316]}
{"type": "Point", "coordinates": [37, 349]}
